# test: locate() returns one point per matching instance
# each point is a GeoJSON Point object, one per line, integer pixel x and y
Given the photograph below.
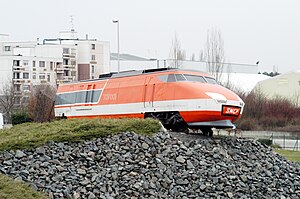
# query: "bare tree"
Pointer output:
{"type": "Point", "coordinates": [257, 99]}
{"type": "Point", "coordinates": [177, 54]}
{"type": "Point", "coordinates": [201, 56]}
{"type": "Point", "coordinates": [41, 103]}
{"type": "Point", "coordinates": [193, 57]}
{"type": "Point", "coordinates": [296, 98]}
{"type": "Point", "coordinates": [214, 53]}
{"type": "Point", "coordinates": [8, 99]}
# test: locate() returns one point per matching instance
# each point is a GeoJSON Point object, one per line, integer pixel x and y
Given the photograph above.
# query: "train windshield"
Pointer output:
{"type": "Point", "coordinates": [211, 80]}
{"type": "Point", "coordinates": [194, 78]}
{"type": "Point", "coordinates": [186, 77]}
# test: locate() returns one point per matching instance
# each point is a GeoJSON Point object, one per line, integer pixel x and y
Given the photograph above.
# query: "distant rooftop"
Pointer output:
{"type": "Point", "coordinates": [242, 81]}
{"type": "Point", "coordinates": [127, 57]}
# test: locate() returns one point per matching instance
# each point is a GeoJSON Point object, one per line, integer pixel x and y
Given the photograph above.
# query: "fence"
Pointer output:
{"type": "Point", "coordinates": [184, 64]}
{"type": "Point", "coordinates": [285, 140]}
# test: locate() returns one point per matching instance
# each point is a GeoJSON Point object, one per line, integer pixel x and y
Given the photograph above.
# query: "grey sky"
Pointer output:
{"type": "Point", "coordinates": [265, 30]}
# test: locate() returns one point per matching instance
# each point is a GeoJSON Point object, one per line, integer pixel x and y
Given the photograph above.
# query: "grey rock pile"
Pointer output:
{"type": "Point", "coordinates": [163, 166]}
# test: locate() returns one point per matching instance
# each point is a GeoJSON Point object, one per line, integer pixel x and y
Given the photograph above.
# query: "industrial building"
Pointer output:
{"type": "Point", "coordinates": [285, 86]}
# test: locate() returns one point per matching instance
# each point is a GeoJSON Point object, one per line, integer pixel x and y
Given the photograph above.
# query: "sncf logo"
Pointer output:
{"type": "Point", "coordinates": [231, 110]}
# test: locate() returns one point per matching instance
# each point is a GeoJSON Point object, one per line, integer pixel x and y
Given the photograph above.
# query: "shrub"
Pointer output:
{"type": "Point", "coordinates": [280, 108]}
{"type": "Point", "coordinates": [289, 128]}
{"type": "Point", "coordinates": [272, 122]}
{"type": "Point", "coordinates": [41, 103]}
{"type": "Point", "coordinates": [268, 114]}
{"type": "Point", "coordinates": [20, 117]}
{"type": "Point", "coordinates": [247, 124]}
{"type": "Point", "coordinates": [267, 142]}
{"type": "Point", "coordinates": [276, 146]}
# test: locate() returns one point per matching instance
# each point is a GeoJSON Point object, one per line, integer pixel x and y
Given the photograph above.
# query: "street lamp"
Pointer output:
{"type": "Point", "coordinates": [118, 41]}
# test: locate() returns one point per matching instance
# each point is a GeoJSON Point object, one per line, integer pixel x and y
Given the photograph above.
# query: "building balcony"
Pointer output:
{"type": "Point", "coordinates": [44, 81]}
{"type": "Point", "coordinates": [18, 68]}
{"type": "Point", "coordinates": [59, 71]}
{"type": "Point", "coordinates": [18, 93]}
{"type": "Point", "coordinates": [18, 81]}
{"type": "Point", "coordinates": [69, 55]}
{"type": "Point", "coordinates": [66, 67]}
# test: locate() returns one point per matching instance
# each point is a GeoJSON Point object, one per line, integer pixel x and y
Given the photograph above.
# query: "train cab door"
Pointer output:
{"type": "Point", "coordinates": [149, 91]}
{"type": "Point", "coordinates": [89, 94]}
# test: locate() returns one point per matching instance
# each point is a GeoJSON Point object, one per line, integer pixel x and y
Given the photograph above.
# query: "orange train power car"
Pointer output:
{"type": "Point", "coordinates": [180, 99]}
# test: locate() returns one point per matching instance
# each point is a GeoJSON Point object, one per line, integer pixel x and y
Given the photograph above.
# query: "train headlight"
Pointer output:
{"type": "Point", "coordinates": [219, 98]}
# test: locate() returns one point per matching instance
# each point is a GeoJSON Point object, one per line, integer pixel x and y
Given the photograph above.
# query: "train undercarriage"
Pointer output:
{"type": "Point", "coordinates": [174, 122]}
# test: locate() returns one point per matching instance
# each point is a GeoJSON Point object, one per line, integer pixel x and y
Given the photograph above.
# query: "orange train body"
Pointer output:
{"type": "Point", "coordinates": [193, 96]}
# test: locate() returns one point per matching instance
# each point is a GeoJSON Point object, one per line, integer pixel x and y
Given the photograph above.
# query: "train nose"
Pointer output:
{"type": "Point", "coordinates": [232, 100]}
{"type": "Point", "coordinates": [219, 98]}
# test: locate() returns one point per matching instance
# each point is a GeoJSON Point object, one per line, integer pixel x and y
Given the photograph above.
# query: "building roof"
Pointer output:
{"type": "Point", "coordinates": [283, 75]}
{"type": "Point", "coordinates": [242, 81]}
{"type": "Point", "coordinates": [126, 57]}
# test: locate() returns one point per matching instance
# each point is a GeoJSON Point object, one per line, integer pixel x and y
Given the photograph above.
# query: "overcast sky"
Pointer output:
{"type": "Point", "coordinates": [264, 30]}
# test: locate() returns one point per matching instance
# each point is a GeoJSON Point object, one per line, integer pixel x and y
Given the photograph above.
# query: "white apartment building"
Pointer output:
{"type": "Point", "coordinates": [51, 61]}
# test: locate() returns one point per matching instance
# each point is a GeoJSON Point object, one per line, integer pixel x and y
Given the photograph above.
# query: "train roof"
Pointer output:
{"type": "Point", "coordinates": [134, 73]}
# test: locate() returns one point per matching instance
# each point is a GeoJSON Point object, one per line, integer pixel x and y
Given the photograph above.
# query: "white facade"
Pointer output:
{"type": "Point", "coordinates": [286, 86]}
{"type": "Point", "coordinates": [96, 54]}
{"type": "Point", "coordinates": [51, 61]}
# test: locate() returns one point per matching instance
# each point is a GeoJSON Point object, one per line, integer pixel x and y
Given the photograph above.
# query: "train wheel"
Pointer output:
{"type": "Point", "coordinates": [210, 132]}
{"type": "Point", "coordinates": [207, 131]}
{"type": "Point", "coordinates": [171, 120]}
{"type": "Point", "coordinates": [180, 128]}
{"type": "Point", "coordinates": [178, 124]}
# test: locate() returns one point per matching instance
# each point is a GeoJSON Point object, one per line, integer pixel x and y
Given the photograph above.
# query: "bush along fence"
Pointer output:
{"type": "Point", "coordinates": [283, 140]}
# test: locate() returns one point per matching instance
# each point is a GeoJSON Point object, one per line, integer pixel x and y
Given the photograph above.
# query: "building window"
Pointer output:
{"type": "Point", "coordinates": [33, 63]}
{"type": "Point", "coordinates": [58, 64]}
{"type": "Point", "coordinates": [26, 88]}
{"type": "Point", "coordinates": [25, 63]}
{"type": "Point", "coordinates": [66, 50]}
{"type": "Point", "coordinates": [93, 57]}
{"type": "Point", "coordinates": [16, 75]}
{"type": "Point", "coordinates": [51, 65]}
{"type": "Point", "coordinates": [18, 87]}
{"type": "Point", "coordinates": [25, 75]}
{"type": "Point", "coordinates": [66, 62]}
{"type": "Point", "coordinates": [42, 76]}
{"type": "Point", "coordinates": [34, 76]}
{"type": "Point", "coordinates": [48, 77]}
{"type": "Point", "coordinates": [7, 48]}
{"type": "Point", "coordinates": [42, 63]}
{"type": "Point", "coordinates": [93, 46]}
{"type": "Point", "coordinates": [16, 62]}
{"type": "Point", "coordinates": [93, 69]}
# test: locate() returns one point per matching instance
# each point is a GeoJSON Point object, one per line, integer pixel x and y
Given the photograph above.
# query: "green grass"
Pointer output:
{"type": "Point", "coordinates": [10, 189]}
{"type": "Point", "coordinates": [290, 155]}
{"type": "Point", "coordinates": [31, 135]}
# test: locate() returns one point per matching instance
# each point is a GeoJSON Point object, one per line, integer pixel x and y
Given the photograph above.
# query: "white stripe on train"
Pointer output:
{"type": "Point", "coordinates": [141, 107]}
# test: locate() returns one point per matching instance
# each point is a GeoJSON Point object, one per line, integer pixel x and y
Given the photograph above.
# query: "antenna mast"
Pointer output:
{"type": "Point", "coordinates": [72, 22]}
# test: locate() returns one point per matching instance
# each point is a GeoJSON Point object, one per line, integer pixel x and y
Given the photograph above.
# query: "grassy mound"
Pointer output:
{"type": "Point", "coordinates": [10, 188]}
{"type": "Point", "coordinates": [31, 135]}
